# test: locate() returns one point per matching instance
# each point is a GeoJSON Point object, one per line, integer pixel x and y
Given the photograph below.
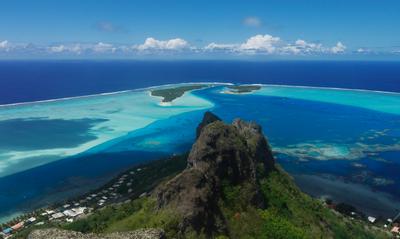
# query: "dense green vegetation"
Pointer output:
{"type": "Point", "coordinates": [289, 213]}
{"type": "Point", "coordinates": [145, 179]}
{"type": "Point", "coordinates": [244, 88]}
{"type": "Point", "coordinates": [171, 94]}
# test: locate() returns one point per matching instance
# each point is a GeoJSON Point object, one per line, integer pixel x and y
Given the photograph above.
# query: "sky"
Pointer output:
{"type": "Point", "coordinates": [200, 29]}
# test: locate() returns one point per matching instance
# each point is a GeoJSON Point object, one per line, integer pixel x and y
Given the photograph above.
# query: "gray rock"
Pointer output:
{"type": "Point", "coordinates": [208, 118]}
{"type": "Point", "coordinates": [222, 154]}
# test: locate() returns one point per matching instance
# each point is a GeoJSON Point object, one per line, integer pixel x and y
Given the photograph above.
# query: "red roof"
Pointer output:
{"type": "Point", "coordinates": [18, 226]}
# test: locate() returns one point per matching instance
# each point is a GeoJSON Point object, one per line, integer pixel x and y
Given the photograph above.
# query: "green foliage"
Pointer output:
{"type": "Point", "coordinates": [173, 93]}
{"type": "Point", "coordinates": [290, 209]}
{"type": "Point", "coordinates": [148, 217]}
{"type": "Point", "coordinates": [244, 88]}
{"type": "Point", "coordinates": [289, 214]}
{"type": "Point", "coordinates": [278, 227]}
{"type": "Point", "coordinates": [101, 220]}
{"type": "Point", "coordinates": [231, 194]}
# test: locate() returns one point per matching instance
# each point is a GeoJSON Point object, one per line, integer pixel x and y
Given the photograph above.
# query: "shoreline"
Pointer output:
{"type": "Point", "coordinates": [126, 185]}
{"type": "Point", "coordinates": [108, 93]}
{"type": "Point", "coordinates": [191, 83]}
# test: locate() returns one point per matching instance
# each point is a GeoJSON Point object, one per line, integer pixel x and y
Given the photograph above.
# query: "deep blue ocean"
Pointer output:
{"type": "Point", "coordinates": [370, 182]}
{"type": "Point", "coordinates": [25, 81]}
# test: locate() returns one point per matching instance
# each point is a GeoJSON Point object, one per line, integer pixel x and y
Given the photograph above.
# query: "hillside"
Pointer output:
{"type": "Point", "coordinates": [231, 188]}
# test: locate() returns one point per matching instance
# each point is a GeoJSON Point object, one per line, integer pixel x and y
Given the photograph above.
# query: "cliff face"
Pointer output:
{"type": "Point", "coordinates": [208, 118]}
{"type": "Point", "coordinates": [222, 154]}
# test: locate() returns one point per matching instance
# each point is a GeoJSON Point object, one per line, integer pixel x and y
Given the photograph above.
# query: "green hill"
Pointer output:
{"type": "Point", "coordinates": [230, 188]}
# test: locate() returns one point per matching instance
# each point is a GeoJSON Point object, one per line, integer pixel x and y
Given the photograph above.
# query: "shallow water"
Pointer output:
{"type": "Point", "coordinates": [319, 136]}
{"type": "Point", "coordinates": [38, 133]}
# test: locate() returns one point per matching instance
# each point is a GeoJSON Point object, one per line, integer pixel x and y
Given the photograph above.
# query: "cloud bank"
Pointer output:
{"type": "Point", "coordinates": [257, 45]}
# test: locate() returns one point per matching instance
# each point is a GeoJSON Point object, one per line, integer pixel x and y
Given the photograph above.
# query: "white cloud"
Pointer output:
{"type": "Point", "coordinates": [302, 47]}
{"type": "Point", "coordinates": [339, 48]}
{"type": "Point", "coordinates": [220, 47]}
{"type": "Point", "coordinates": [252, 21]}
{"type": "Point", "coordinates": [154, 44]}
{"type": "Point", "coordinates": [270, 45]}
{"type": "Point", "coordinates": [4, 45]}
{"type": "Point", "coordinates": [75, 48]}
{"type": "Point", "coordinates": [103, 48]}
{"type": "Point", "coordinates": [363, 50]}
{"type": "Point", "coordinates": [305, 45]}
{"type": "Point", "coordinates": [260, 43]}
{"type": "Point", "coordinates": [57, 49]}
{"type": "Point", "coordinates": [254, 45]}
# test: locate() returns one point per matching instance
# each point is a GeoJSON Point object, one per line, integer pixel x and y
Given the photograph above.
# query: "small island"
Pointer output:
{"type": "Point", "coordinates": [171, 94]}
{"type": "Point", "coordinates": [240, 89]}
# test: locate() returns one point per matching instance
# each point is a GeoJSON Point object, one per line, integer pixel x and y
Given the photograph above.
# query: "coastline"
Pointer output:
{"type": "Point", "coordinates": [109, 93]}
{"type": "Point", "coordinates": [182, 98]}
{"type": "Point", "coordinates": [191, 83]}
{"type": "Point", "coordinates": [115, 125]}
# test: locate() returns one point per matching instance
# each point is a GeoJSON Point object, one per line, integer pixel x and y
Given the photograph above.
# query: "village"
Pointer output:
{"type": "Point", "coordinates": [119, 190]}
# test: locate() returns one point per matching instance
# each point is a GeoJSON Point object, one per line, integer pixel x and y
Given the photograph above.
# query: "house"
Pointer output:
{"type": "Point", "coordinates": [79, 210]}
{"type": "Point", "coordinates": [7, 230]}
{"type": "Point", "coordinates": [57, 215]}
{"type": "Point", "coordinates": [74, 212]}
{"type": "Point", "coordinates": [371, 219]}
{"type": "Point", "coordinates": [30, 220]}
{"type": "Point", "coordinates": [49, 212]}
{"type": "Point", "coordinates": [69, 213]}
{"type": "Point", "coordinates": [17, 226]}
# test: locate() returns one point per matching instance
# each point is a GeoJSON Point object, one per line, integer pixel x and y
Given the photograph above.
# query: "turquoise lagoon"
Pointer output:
{"type": "Point", "coordinates": [342, 144]}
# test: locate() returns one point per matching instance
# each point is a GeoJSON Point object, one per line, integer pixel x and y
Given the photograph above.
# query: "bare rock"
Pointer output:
{"type": "Point", "coordinates": [208, 118]}
{"type": "Point", "coordinates": [222, 154]}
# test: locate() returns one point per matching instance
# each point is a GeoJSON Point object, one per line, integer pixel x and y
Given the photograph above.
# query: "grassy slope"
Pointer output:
{"type": "Point", "coordinates": [289, 214]}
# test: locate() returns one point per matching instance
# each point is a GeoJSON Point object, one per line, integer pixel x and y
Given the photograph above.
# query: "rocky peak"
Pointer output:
{"type": "Point", "coordinates": [208, 118]}
{"type": "Point", "coordinates": [223, 153]}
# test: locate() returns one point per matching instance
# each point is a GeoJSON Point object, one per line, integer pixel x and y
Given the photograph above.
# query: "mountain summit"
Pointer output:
{"type": "Point", "coordinates": [222, 155]}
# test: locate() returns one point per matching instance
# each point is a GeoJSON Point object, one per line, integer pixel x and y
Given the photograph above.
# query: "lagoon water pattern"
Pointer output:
{"type": "Point", "coordinates": [328, 141]}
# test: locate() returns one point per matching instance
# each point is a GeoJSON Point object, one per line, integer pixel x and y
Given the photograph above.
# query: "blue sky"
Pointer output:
{"type": "Point", "coordinates": [295, 28]}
